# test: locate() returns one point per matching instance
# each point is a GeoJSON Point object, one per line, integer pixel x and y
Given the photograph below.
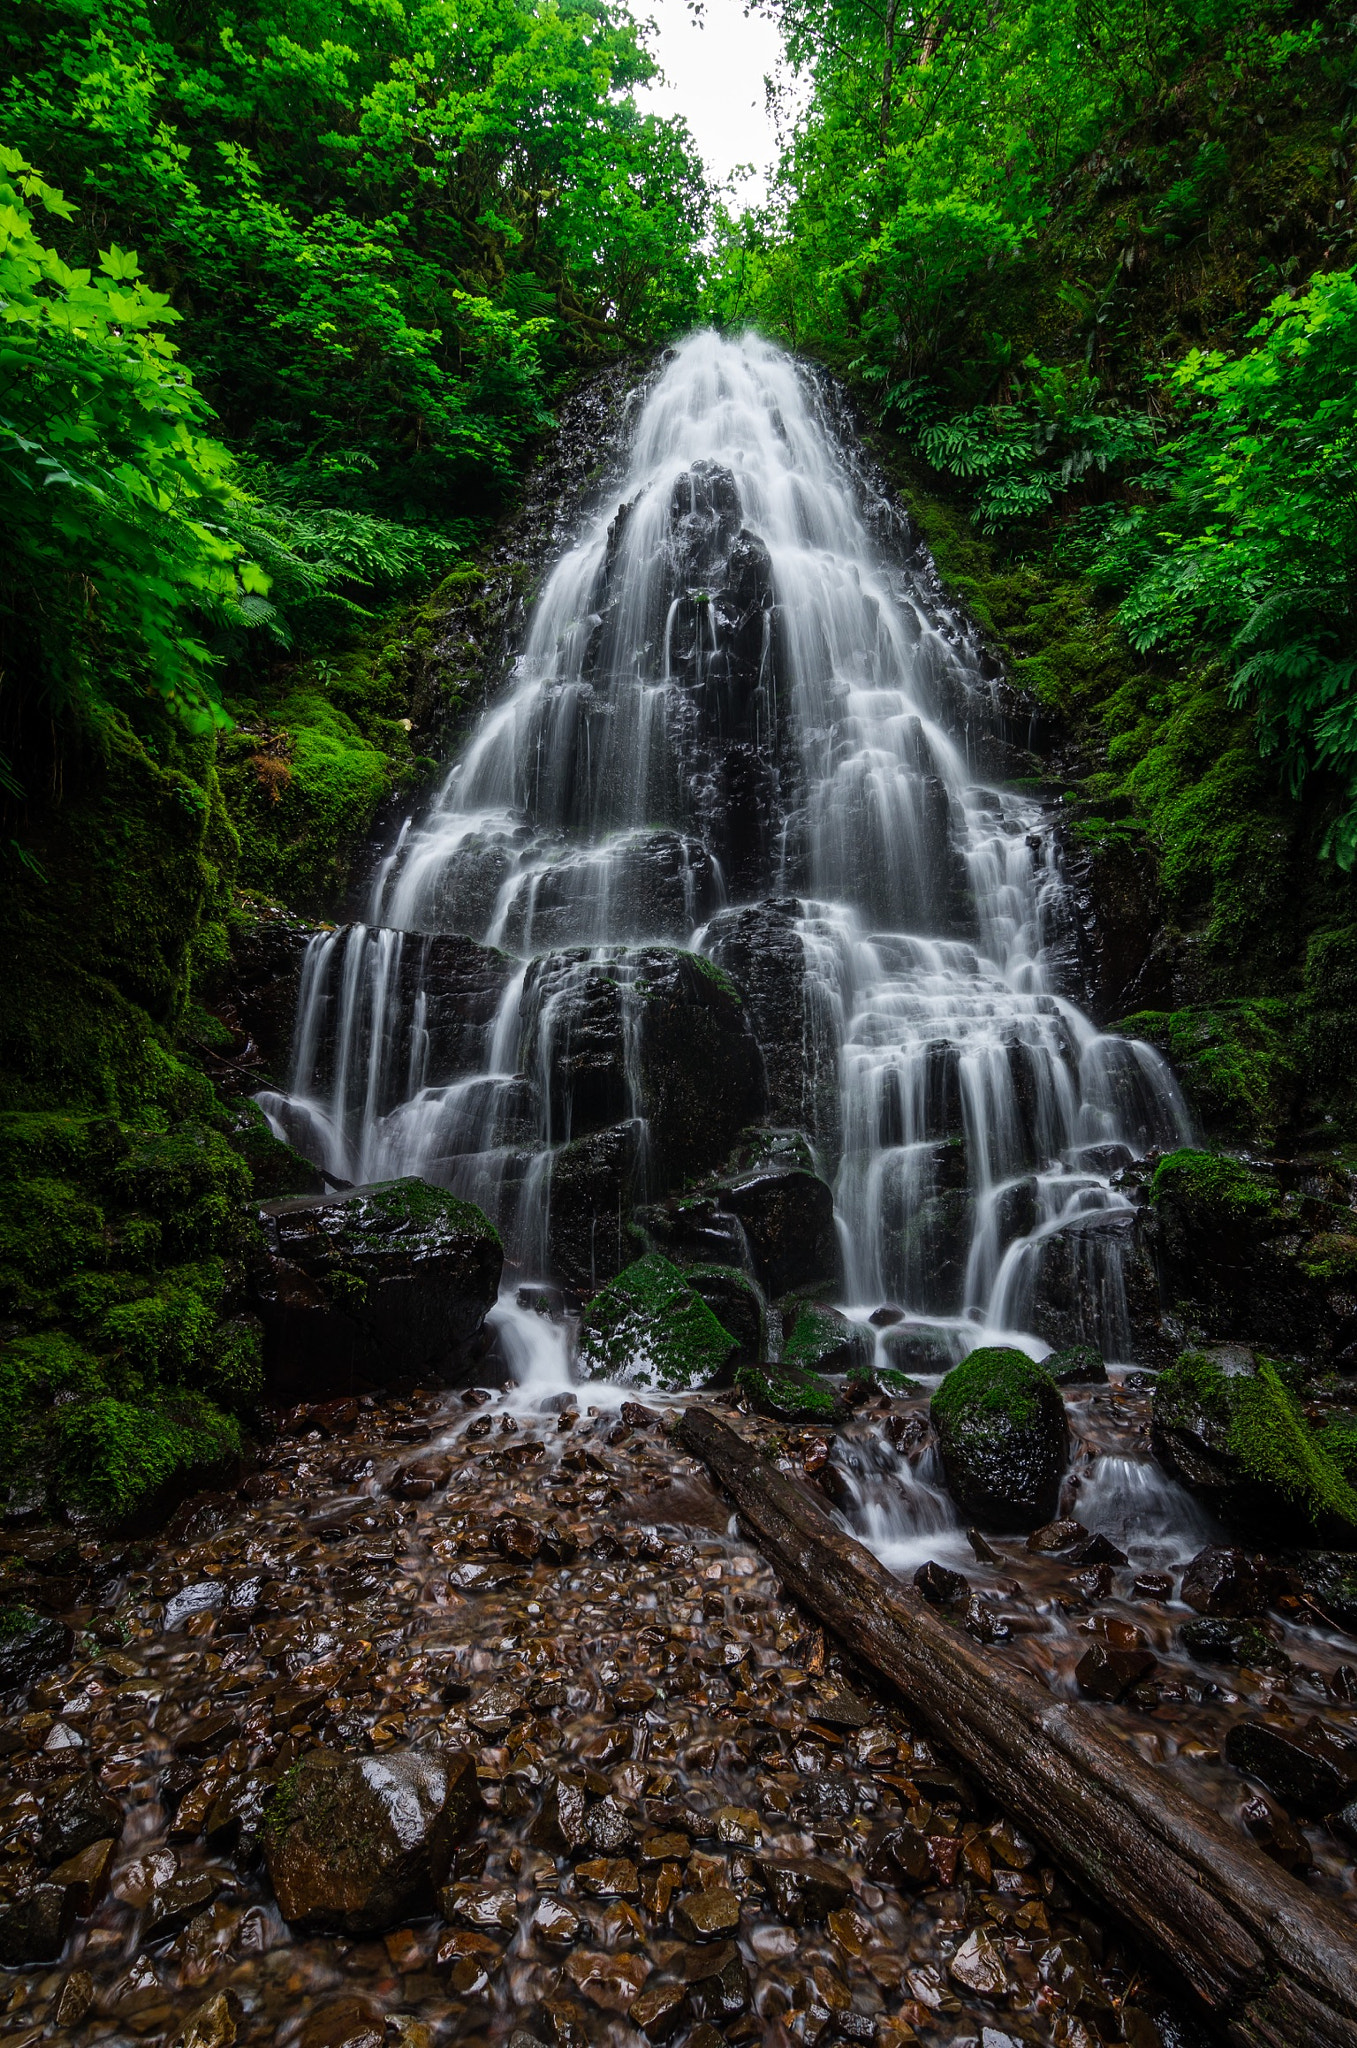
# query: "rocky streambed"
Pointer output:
{"type": "Point", "coordinates": [490, 1692]}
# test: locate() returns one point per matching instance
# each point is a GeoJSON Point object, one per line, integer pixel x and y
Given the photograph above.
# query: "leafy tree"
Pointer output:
{"type": "Point", "coordinates": [117, 506]}
{"type": "Point", "coordinates": [1254, 547]}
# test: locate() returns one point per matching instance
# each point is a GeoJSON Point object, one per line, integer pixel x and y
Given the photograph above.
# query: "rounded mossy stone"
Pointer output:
{"type": "Point", "coordinates": [1211, 1187]}
{"type": "Point", "coordinates": [824, 1340]}
{"type": "Point", "coordinates": [1001, 1428]}
{"type": "Point", "coordinates": [736, 1303]}
{"type": "Point", "coordinates": [649, 1329]}
{"type": "Point", "coordinates": [788, 1393]}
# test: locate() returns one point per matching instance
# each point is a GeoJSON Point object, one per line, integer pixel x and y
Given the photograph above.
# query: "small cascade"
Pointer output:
{"type": "Point", "coordinates": [742, 726]}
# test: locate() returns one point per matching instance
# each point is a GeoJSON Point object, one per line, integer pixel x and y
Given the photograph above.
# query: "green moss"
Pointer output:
{"type": "Point", "coordinates": [994, 1387]}
{"type": "Point", "coordinates": [113, 1456]}
{"type": "Point", "coordinates": [717, 976]}
{"type": "Point", "coordinates": [1338, 1441]}
{"type": "Point", "coordinates": [1209, 1185]}
{"type": "Point", "coordinates": [648, 1328]}
{"type": "Point", "coordinates": [1265, 1431]}
{"type": "Point", "coordinates": [822, 1337]}
{"type": "Point", "coordinates": [788, 1393]}
{"type": "Point", "coordinates": [1239, 1063]}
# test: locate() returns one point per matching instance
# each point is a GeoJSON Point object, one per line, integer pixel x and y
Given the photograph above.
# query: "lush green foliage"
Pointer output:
{"type": "Point", "coordinates": [1256, 546]}
{"type": "Point", "coordinates": [114, 501]}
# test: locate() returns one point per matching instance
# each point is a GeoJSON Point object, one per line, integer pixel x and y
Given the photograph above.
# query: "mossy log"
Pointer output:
{"type": "Point", "coordinates": [1271, 1963]}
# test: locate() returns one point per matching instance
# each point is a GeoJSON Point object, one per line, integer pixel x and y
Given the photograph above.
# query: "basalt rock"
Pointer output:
{"type": "Point", "coordinates": [788, 1394]}
{"type": "Point", "coordinates": [823, 1340]}
{"type": "Point", "coordinates": [82, 1814]}
{"type": "Point", "coordinates": [354, 1843]}
{"type": "Point", "coordinates": [649, 1329]}
{"type": "Point", "coordinates": [385, 1283]}
{"type": "Point", "coordinates": [761, 948]}
{"type": "Point", "coordinates": [593, 1186]}
{"type": "Point", "coordinates": [1227, 1427]}
{"type": "Point", "coordinates": [1328, 1580]}
{"type": "Point", "coordinates": [34, 1929]}
{"type": "Point", "coordinates": [1309, 1768]}
{"type": "Point", "coordinates": [1078, 1365]}
{"type": "Point", "coordinates": [1223, 1581]}
{"type": "Point", "coordinates": [774, 1220]}
{"type": "Point", "coordinates": [1004, 1439]}
{"type": "Point", "coordinates": [29, 1645]}
{"type": "Point", "coordinates": [737, 1305]}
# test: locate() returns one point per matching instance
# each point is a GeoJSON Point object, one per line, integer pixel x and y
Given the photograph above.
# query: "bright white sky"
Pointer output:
{"type": "Point", "coordinates": [713, 75]}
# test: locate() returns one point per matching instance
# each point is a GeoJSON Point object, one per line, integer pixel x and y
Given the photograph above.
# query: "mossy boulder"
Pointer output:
{"type": "Point", "coordinates": [1077, 1365]}
{"type": "Point", "coordinates": [824, 1340]}
{"type": "Point", "coordinates": [1001, 1428]}
{"type": "Point", "coordinates": [354, 1843]}
{"type": "Point", "coordinates": [378, 1285]}
{"type": "Point", "coordinates": [789, 1393]}
{"type": "Point", "coordinates": [736, 1303]}
{"type": "Point", "coordinates": [650, 1329]}
{"type": "Point", "coordinates": [1239, 1440]}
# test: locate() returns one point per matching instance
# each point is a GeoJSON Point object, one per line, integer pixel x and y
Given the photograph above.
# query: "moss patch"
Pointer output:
{"type": "Point", "coordinates": [1209, 1186]}
{"type": "Point", "coordinates": [1239, 1064]}
{"type": "Point", "coordinates": [648, 1328]}
{"type": "Point", "coordinates": [992, 1388]}
{"type": "Point", "coordinates": [1261, 1426]}
{"type": "Point", "coordinates": [788, 1393]}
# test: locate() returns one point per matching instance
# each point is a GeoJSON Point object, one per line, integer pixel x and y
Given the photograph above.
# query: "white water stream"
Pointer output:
{"type": "Point", "coordinates": [585, 813]}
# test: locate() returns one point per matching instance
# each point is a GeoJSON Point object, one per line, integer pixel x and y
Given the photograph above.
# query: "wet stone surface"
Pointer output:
{"type": "Point", "coordinates": [697, 1825]}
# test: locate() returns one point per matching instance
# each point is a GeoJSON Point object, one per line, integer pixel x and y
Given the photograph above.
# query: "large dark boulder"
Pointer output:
{"type": "Point", "coordinates": [649, 1329]}
{"type": "Point", "coordinates": [385, 1283]}
{"type": "Point", "coordinates": [1001, 1428]}
{"type": "Point", "coordinates": [737, 1305]}
{"type": "Point", "coordinates": [1310, 1768]}
{"type": "Point", "coordinates": [656, 885]}
{"type": "Point", "coordinates": [1079, 1275]}
{"type": "Point", "coordinates": [789, 1393]}
{"type": "Point", "coordinates": [761, 948]}
{"type": "Point", "coordinates": [820, 1339]}
{"type": "Point", "coordinates": [773, 1217]}
{"type": "Point", "coordinates": [354, 1843]}
{"type": "Point", "coordinates": [591, 1192]}
{"type": "Point", "coordinates": [1226, 1426]}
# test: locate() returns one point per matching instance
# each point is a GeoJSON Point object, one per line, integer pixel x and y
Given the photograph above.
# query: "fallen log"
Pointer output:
{"type": "Point", "coordinates": [1271, 1963]}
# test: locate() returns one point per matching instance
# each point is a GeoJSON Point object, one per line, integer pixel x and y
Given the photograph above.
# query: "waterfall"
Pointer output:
{"type": "Point", "coordinates": [740, 697]}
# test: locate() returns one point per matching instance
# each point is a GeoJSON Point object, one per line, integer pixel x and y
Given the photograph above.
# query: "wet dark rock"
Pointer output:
{"type": "Point", "coordinates": [718, 1982]}
{"type": "Point", "coordinates": [1328, 1580]}
{"type": "Point", "coordinates": [803, 1888]}
{"type": "Point", "coordinates": [34, 1929]}
{"type": "Point", "coordinates": [1077, 1268]}
{"type": "Point", "coordinates": [560, 1825]}
{"type": "Point", "coordinates": [775, 1220]}
{"type": "Point", "coordinates": [353, 1842]}
{"type": "Point", "coordinates": [1220, 1580]}
{"type": "Point", "coordinates": [939, 1586]}
{"type": "Point", "coordinates": [180, 1901]}
{"type": "Point", "coordinates": [788, 1395]}
{"type": "Point", "coordinates": [207, 1735]}
{"type": "Point", "coordinates": [383, 1283]}
{"type": "Point", "coordinates": [901, 1856]}
{"type": "Point", "coordinates": [78, 1817]}
{"type": "Point", "coordinates": [737, 1305]}
{"type": "Point", "coordinates": [649, 1328]}
{"type": "Point", "coordinates": [1106, 1673]}
{"type": "Point", "coordinates": [1099, 1549]}
{"type": "Point", "coordinates": [85, 1876]}
{"type": "Point", "coordinates": [824, 1340]}
{"type": "Point", "coordinates": [1221, 1639]}
{"type": "Point", "coordinates": [1054, 1537]}
{"type": "Point", "coordinates": [701, 1916]}
{"type": "Point", "coordinates": [31, 1644]}
{"type": "Point", "coordinates": [1001, 1428]}
{"type": "Point", "coordinates": [1078, 1365]}
{"type": "Point", "coordinates": [1275, 1833]}
{"type": "Point", "coordinates": [761, 949]}
{"type": "Point", "coordinates": [593, 1189]}
{"type": "Point", "coordinates": [915, 1348]}
{"type": "Point", "coordinates": [1308, 1768]}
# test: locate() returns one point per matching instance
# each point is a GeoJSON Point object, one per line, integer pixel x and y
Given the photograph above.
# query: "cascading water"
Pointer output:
{"type": "Point", "coordinates": [731, 695]}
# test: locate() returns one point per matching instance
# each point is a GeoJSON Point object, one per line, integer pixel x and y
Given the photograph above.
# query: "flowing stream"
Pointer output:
{"type": "Point", "coordinates": [741, 686]}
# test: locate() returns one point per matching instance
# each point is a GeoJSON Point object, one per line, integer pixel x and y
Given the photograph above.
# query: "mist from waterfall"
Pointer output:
{"type": "Point", "coordinates": [735, 687]}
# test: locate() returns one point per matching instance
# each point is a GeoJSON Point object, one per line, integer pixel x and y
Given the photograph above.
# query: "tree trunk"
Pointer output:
{"type": "Point", "coordinates": [1272, 1963]}
{"type": "Point", "coordinates": [888, 75]}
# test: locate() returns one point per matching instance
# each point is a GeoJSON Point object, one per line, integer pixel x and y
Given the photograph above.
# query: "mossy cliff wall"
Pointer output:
{"type": "Point", "coordinates": [134, 876]}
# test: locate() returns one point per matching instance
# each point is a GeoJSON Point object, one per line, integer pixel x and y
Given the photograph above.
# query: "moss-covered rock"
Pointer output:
{"type": "Point", "coordinates": [1238, 1438]}
{"type": "Point", "coordinates": [824, 1340]}
{"type": "Point", "coordinates": [1239, 1064]}
{"type": "Point", "coordinates": [789, 1393]}
{"type": "Point", "coordinates": [379, 1285]}
{"type": "Point", "coordinates": [1001, 1428]}
{"type": "Point", "coordinates": [649, 1328]}
{"type": "Point", "coordinates": [737, 1305]}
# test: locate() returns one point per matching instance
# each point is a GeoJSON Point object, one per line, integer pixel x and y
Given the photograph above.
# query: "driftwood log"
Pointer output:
{"type": "Point", "coordinates": [1270, 1961]}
